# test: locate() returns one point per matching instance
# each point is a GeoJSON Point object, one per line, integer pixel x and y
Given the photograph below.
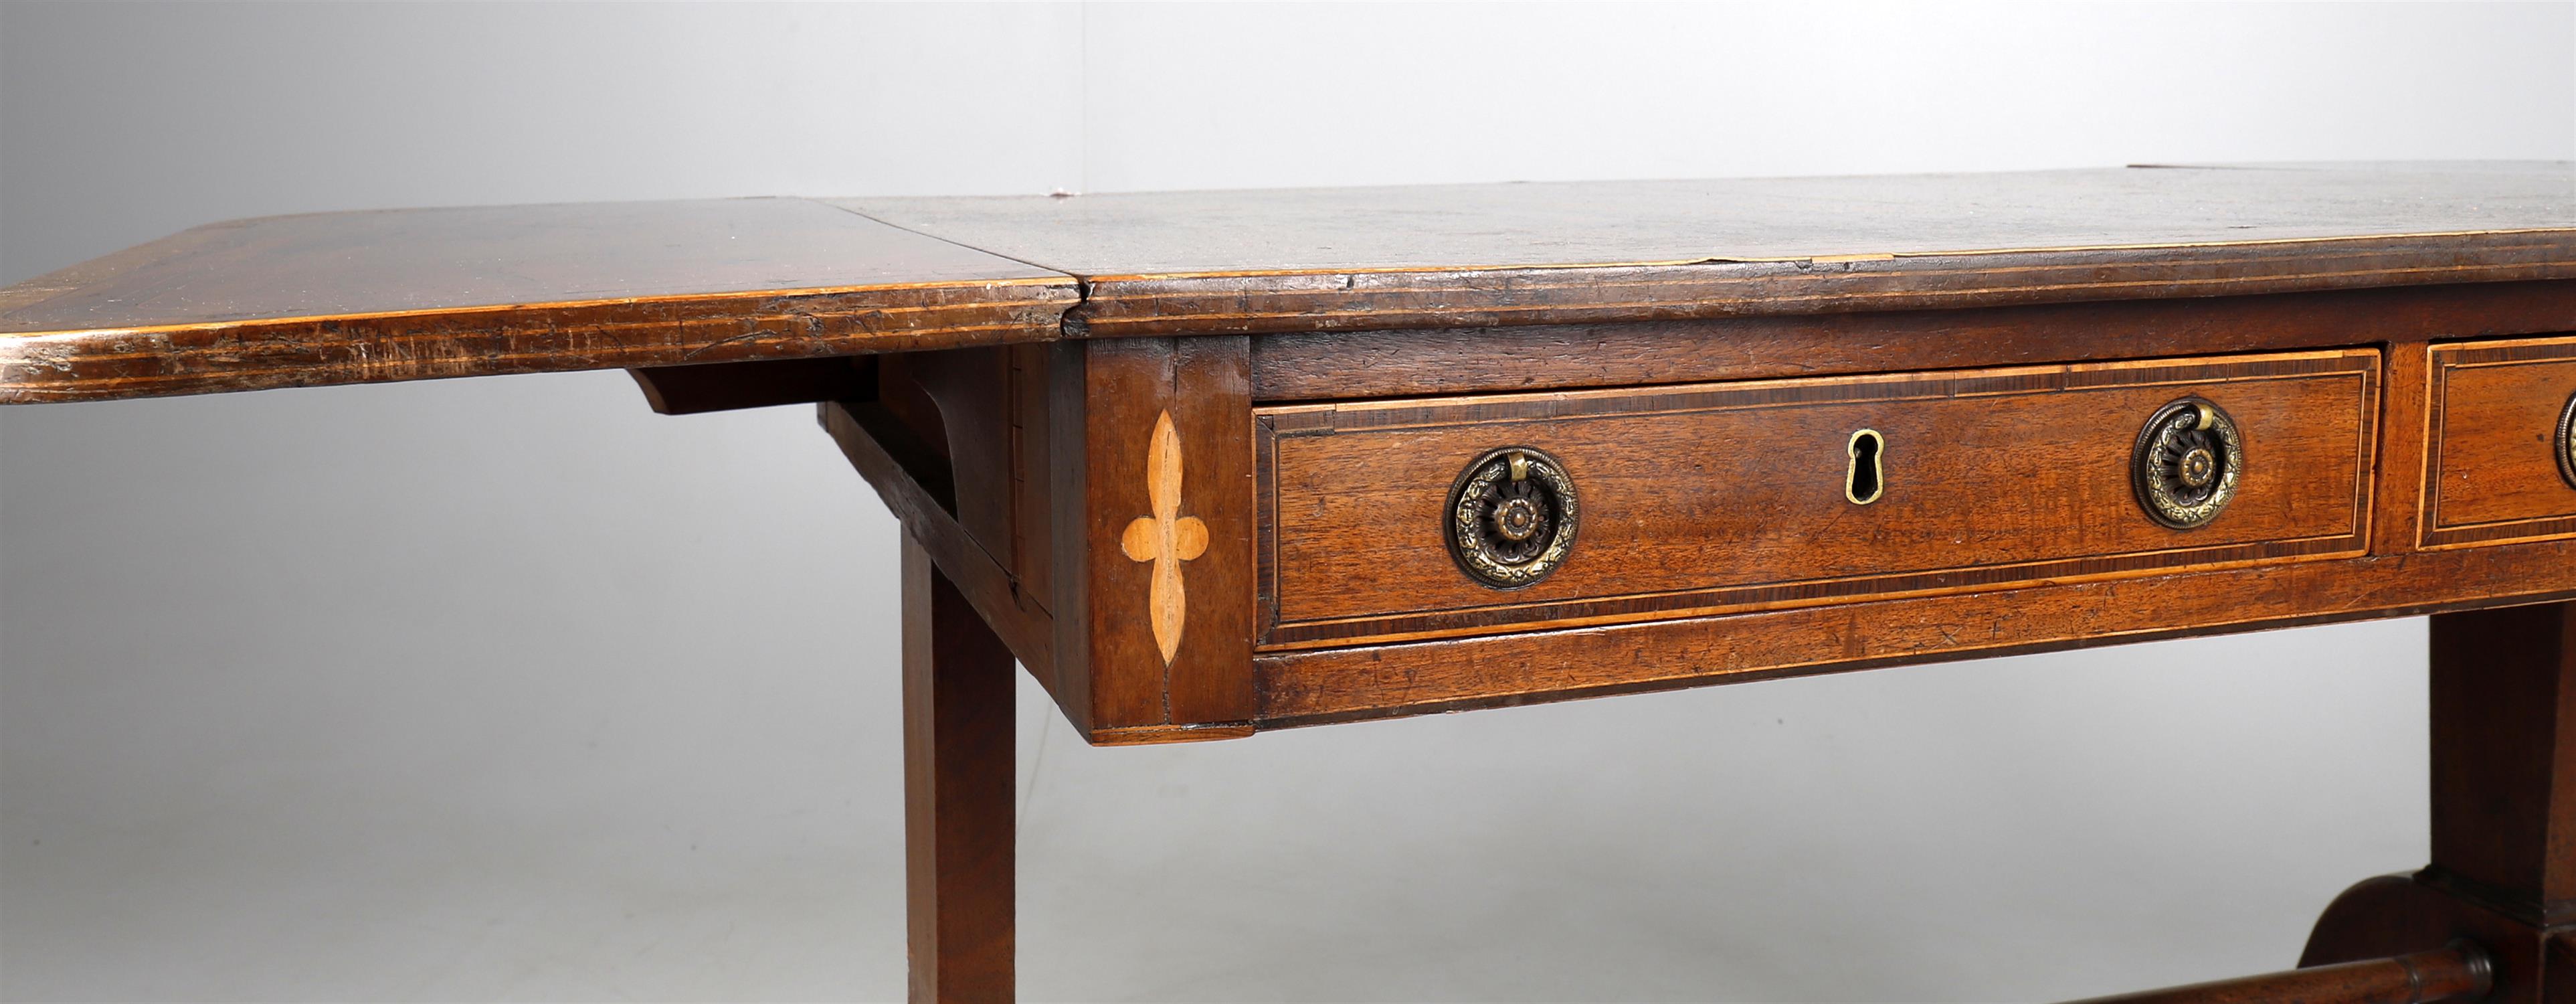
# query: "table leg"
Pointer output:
{"type": "Point", "coordinates": [2504, 811]}
{"type": "Point", "coordinates": [957, 791]}
{"type": "Point", "coordinates": [2504, 758]}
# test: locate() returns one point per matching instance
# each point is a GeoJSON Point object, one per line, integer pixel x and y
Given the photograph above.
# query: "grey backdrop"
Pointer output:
{"type": "Point", "coordinates": [511, 689]}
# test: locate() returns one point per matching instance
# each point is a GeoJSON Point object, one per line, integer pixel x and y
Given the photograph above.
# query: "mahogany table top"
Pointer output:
{"type": "Point", "coordinates": [408, 294]}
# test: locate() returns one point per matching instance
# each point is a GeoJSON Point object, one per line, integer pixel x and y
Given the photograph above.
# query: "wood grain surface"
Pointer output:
{"type": "Point", "coordinates": [2502, 877]}
{"type": "Point", "coordinates": [1107, 237]}
{"type": "Point", "coordinates": [1194, 537]}
{"type": "Point", "coordinates": [1605, 252]}
{"type": "Point", "coordinates": [2504, 759]}
{"type": "Point", "coordinates": [414, 294]}
{"type": "Point", "coordinates": [2495, 472]}
{"type": "Point", "coordinates": [1363, 364]}
{"type": "Point", "coordinates": [1371, 681]}
{"type": "Point", "coordinates": [1700, 498]}
{"type": "Point", "coordinates": [411, 294]}
{"type": "Point", "coordinates": [2435, 976]}
{"type": "Point", "coordinates": [913, 482]}
{"type": "Point", "coordinates": [1161, 640]}
{"type": "Point", "coordinates": [959, 818]}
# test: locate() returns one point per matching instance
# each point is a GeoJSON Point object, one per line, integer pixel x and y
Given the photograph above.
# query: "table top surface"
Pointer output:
{"type": "Point", "coordinates": [1687, 222]}
{"type": "Point", "coordinates": [407, 294]}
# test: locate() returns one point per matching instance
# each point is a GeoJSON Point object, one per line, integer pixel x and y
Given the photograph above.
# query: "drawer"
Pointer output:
{"type": "Point", "coordinates": [2502, 464]}
{"type": "Point", "coordinates": [1711, 497]}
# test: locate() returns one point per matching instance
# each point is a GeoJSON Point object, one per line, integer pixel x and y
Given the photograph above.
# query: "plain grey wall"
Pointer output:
{"type": "Point", "coordinates": [510, 689]}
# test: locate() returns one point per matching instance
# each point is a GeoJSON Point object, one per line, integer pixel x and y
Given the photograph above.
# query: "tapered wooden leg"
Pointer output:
{"type": "Point", "coordinates": [2504, 811]}
{"type": "Point", "coordinates": [957, 781]}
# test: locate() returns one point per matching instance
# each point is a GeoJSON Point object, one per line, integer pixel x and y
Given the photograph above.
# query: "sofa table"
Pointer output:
{"type": "Point", "coordinates": [1214, 463]}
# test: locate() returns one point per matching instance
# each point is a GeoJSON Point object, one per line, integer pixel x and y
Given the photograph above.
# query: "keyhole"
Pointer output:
{"type": "Point", "coordinates": [1867, 479]}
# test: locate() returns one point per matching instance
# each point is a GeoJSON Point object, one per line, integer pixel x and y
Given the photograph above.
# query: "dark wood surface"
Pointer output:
{"type": "Point", "coordinates": [2495, 469]}
{"type": "Point", "coordinates": [2504, 759]}
{"type": "Point", "coordinates": [1686, 222]}
{"type": "Point", "coordinates": [411, 294]}
{"type": "Point", "coordinates": [1648, 615]}
{"type": "Point", "coordinates": [1167, 660]}
{"type": "Point", "coordinates": [1476, 360]}
{"type": "Point", "coordinates": [1372, 681]}
{"type": "Point", "coordinates": [2393, 339]}
{"type": "Point", "coordinates": [705, 387]}
{"type": "Point", "coordinates": [2434, 976]}
{"type": "Point", "coordinates": [911, 477]}
{"type": "Point", "coordinates": [957, 783]}
{"type": "Point", "coordinates": [2503, 871]}
{"type": "Point", "coordinates": [2399, 914]}
{"type": "Point", "coordinates": [1700, 498]}
{"type": "Point", "coordinates": [414, 294]}
{"type": "Point", "coordinates": [1466, 255]}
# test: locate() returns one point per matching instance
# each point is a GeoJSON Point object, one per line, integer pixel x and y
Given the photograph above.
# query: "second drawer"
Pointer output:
{"type": "Point", "coordinates": [1424, 518]}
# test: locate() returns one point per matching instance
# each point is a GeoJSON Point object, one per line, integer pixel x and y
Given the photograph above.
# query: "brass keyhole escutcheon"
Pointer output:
{"type": "Point", "coordinates": [2186, 463]}
{"type": "Point", "coordinates": [1865, 481]}
{"type": "Point", "coordinates": [2567, 442]}
{"type": "Point", "coordinates": [1512, 517]}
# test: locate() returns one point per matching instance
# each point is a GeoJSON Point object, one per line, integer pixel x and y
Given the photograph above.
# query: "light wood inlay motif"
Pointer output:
{"type": "Point", "coordinates": [1165, 538]}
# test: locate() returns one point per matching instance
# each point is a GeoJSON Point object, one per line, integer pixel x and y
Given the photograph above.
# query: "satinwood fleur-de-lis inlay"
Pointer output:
{"type": "Point", "coordinates": [1165, 538]}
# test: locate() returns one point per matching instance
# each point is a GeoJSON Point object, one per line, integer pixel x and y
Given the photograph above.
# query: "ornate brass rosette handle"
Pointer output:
{"type": "Point", "coordinates": [1512, 517]}
{"type": "Point", "coordinates": [2567, 442]}
{"type": "Point", "coordinates": [2186, 464]}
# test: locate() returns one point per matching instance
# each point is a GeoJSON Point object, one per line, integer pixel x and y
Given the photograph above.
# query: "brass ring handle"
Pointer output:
{"type": "Point", "coordinates": [1512, 517]}
{"type": "Point", "coordinates": [2186, 463]}
{"type": "Point", "coordinates": [2567, 442]}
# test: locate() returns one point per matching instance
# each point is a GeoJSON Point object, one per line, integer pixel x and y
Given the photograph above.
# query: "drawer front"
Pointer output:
{"type": "Point", "coordinates": [2500, 467]}
{"type": "Point", "coordinates": [1692, 499]}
